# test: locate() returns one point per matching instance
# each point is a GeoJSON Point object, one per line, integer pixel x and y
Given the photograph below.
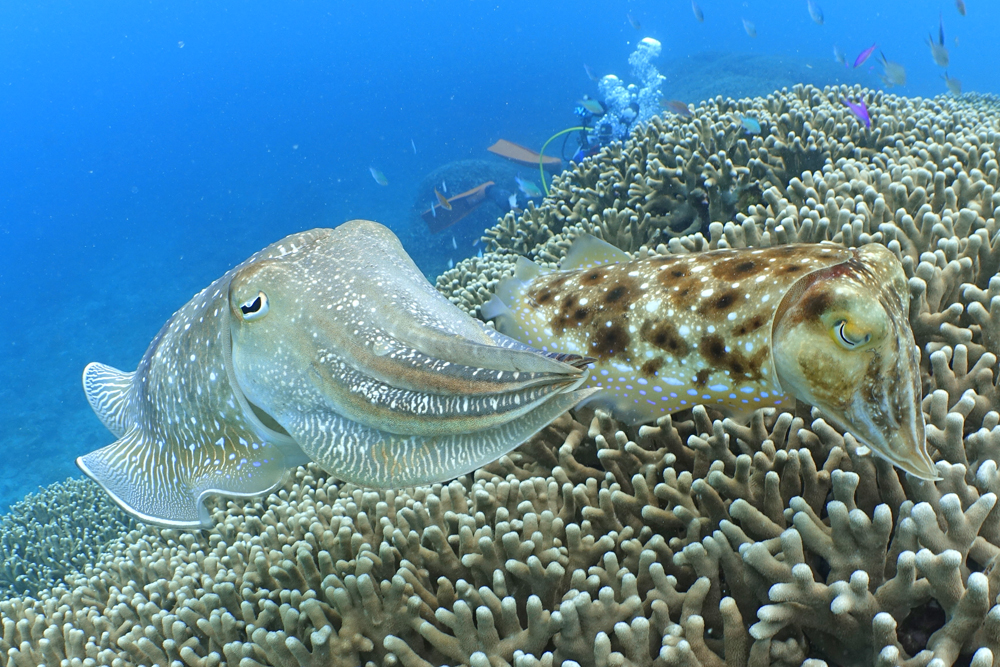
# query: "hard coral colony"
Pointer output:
{"type": "Point", "coordinates": [693, 541]}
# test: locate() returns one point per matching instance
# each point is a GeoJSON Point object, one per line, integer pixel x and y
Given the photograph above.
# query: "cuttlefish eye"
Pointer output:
{"type": "Point", "coordinates": [255, 308]}
{"type": "Point", "coordinates": [849, 336]}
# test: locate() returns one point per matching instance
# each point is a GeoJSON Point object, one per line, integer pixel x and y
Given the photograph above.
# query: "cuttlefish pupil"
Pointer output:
{"type": "Point", "coordinates": [736, 330]}
{"type": "Point", "coordinates": [255, 308]}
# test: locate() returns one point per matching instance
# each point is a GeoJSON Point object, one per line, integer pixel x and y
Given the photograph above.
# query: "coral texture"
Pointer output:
{"type": "Point", "coordinates": [694, 541]}
{"type": "Point", "coordinates": [39, 546]}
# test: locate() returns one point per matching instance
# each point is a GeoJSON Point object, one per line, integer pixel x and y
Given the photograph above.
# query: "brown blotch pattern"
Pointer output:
{"type": "Point", "coordinates": [610, 342]}
{"type": "Point", "coordinates": [592, 277]}
{"type": "Point", "coordinates": [788, 269]}
{"type": "Point", "coordinates": [651, 367]}
{"type": "Point", "coordinates": [735, 268]}
{"type": "Point", "coordinates": [713, 348]}
{"type": "Point", "coordinates": [541, 297]}
{"type": "Point", "coordinates": [663, 335]}
{"type": "Point", "coordinates": [568, 309]}
{"type": "Point", "coordinates": [615, 294]}
{"type": "Point", "coordinates": [749, 325]}
{"type": "Point", "coordinates": [816, 304]}
{"type": "Point", "coordinates": [721, 303]}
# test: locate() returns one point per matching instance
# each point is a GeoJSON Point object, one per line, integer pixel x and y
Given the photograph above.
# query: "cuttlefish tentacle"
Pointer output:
{"type": "Point", "coordinates": [328, 345]}
{"type": "Point", "coordinates": [736, 330]}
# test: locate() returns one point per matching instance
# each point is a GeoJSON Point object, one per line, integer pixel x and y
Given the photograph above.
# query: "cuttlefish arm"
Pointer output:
{"type": "Point", "coordinates": [328, 345]}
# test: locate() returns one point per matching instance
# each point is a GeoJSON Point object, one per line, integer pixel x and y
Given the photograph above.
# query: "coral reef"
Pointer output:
{"type": "Point", "coordinates": [694, 541]}
{"type": "Point", "coordinates": [39, 545]}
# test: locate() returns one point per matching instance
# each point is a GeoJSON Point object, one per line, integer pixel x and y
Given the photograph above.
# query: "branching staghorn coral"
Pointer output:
{"type": "Point", "coordinates": [54, 532]}
{"type": "Point", "coordinates": [693, 541]}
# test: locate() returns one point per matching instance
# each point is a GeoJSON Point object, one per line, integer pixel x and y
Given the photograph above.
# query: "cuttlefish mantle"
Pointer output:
{"type": "Point", "coordinates": [331, 346]}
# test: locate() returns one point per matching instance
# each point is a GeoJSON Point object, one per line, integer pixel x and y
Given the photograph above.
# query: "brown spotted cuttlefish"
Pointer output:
{"type": "Point", "coordinates": [328, 345]}
{"type": "Point", "coordinates": [736, 330]}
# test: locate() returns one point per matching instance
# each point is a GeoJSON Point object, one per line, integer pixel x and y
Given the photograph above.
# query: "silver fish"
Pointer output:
{"type": "Point", "coordinates": [938, 50]}
{"type": "Point", "coordinates": [328, 345]}
{"type": "Point", "coordinates": [736, 330]}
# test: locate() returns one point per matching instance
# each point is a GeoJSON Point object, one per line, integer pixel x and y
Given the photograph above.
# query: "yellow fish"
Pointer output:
{"type": "Point", "coordinates": [736, 330]}
{"type": "Point", "coordinates": [442, 200]}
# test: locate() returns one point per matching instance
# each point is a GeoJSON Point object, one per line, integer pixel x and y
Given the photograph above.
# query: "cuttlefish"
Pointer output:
{"type": "Point", "coordinates": [736, 330]}
{"type": "Point", "coordinates": [330, 346]}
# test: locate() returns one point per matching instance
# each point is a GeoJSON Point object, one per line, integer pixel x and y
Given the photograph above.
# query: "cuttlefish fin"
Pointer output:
{"type": "Point", "coordinates": [503, 317]}
{"type": "Point", "coordinates": [167, 486]}
{"type": "Point", "coordinates": [108, 390]}
{"type": "Point", "coordinates": [588, 251]}
{"type": "Point", "coordinates": [373, 458]}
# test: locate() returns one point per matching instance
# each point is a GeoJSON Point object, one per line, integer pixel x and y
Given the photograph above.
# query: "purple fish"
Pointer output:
{"type": "Point", "coordinates": [863, 56]}
{"type": "Point", "coordinates": [860, 110]}
{"type": "Point", "coordinates": [677, 107]}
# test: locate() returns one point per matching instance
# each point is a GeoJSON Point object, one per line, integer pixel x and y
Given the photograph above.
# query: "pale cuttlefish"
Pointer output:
{"type": "Point", "coordinates": [331, 346]}
{"type": "Point", "coordinates": [736, 330]}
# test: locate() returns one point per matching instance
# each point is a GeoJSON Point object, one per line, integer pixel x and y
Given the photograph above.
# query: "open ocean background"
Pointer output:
{"type": "Point", "coordinates": [147, 147]}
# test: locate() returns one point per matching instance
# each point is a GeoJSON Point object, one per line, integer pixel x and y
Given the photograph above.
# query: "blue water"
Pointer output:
{"type": "Point", "coordinates": [145, 148]}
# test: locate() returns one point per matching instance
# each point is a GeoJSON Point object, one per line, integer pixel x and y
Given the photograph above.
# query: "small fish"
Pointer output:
{"type": "Point", "coordinates": [954, 85]}
{"type": "Point", "coordinates": [593, 106]}
{"type": "Point", "coordinates": [378, 176]}
{"type": "Point", "coordinates": [454, 244]}
{"type": "Point", "coordinates": [451, 264]}
{"type": "Point", "coordinates": [414, 146]}
{"type": "Point", "coordinates": [444, 186]}
{"type": "Point", "coordinates": [434, 212]}
{"type": "Point", "coordinates": [860, 110]}
{"type": "Point", "coordinates": [960, 6]}
{"type": "Point", "coordinates": [938, 50]}
{"type": "Point", "coordinates": [631, 19]}
{"type": "Point", "coordinates": [839, 56]}
{"type": "Point", "coordinates": [676, 106]}
{"type": "Point", "coordinates": [512, 200]}
{"type": "Point", "coordinates": [895, 74]}
{"type": "Point", "coordinates": [698, 14]}
{"type": "Point", "coordinates": [751, 125]}
{"type": "Point", "coordinates": [442, 200]}
{"type": "Point", "coordinates": [815, 11]}
{"type": "Point", "coordinates": [590, 73]}
{"type": "Point", "coordinates": [863, 56]}
{"type": "Point", "coordinates": [529, 188]}
{"type": "Point", "coordinates": [750, 28]}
